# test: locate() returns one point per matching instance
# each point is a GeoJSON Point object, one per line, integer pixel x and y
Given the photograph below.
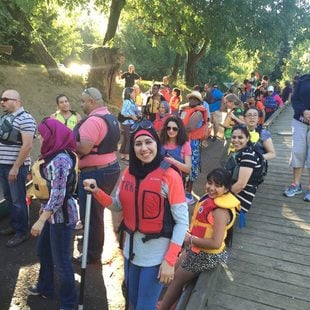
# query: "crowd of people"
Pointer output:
{"type": "Point", "coordinates": [161, 140]}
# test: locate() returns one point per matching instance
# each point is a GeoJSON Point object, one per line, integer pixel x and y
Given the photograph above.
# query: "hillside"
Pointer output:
{"type": "Point", "coordinates": [38, 92]}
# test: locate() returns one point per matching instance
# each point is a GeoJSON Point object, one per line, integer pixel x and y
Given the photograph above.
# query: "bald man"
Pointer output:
{"type": "Point", "coordinates": [17, 129]}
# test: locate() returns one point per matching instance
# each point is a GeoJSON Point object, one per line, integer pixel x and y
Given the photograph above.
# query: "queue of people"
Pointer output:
{"type": "Point", "coordinates": [161, 147]}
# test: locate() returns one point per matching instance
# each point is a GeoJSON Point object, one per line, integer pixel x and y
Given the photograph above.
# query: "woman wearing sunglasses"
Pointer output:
{"type": "Point", "coordinates": [175, 144]}
{"type": "Point", "coordinates": [155, 216]}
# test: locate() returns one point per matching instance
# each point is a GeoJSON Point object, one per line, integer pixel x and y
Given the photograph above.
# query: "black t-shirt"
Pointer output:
{"type": "Point", "coordinates": [130, 78]}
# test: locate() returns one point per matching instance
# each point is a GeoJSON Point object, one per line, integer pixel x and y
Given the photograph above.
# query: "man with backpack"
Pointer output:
{"type": "Point", "coordinates": [17, 129]}
{"type": "Point", "coordinates": [271, 102]}
{"type": "Point", "coordinates": [97, 137]}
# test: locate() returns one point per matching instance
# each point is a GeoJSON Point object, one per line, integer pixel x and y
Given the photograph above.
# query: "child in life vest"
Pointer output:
{"type": "Point", "coordinates": [210, 231]}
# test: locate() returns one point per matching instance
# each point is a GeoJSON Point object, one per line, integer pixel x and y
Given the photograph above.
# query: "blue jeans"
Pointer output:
{"type": "Point", "coordinates": [15, 196]}
{"type": "Point", "coordinates": [54, 249]}
{"type": "Point", "coordinates": [106, 179]}
{"type": "Point", "coordinates": [143, 287]}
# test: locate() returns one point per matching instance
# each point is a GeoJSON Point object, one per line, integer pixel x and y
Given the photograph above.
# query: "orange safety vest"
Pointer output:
{"type": "Point", "coordinates": [197, 133]}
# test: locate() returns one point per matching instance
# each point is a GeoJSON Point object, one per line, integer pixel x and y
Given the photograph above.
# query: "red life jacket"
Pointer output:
{"type": "Point", "coordinates": [144, 208]}
{"type": "Point", "coordinates": [197, 133]}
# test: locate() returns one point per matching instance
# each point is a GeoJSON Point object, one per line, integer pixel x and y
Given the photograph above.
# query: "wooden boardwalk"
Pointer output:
{"type": "Point", "coordinates": [269, 265]}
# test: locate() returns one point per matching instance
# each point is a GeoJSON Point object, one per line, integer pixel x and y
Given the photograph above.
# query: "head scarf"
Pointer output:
{"type": "Point", "coordinates": [136, 167]}
{"type": "Point", "coordinates": [56, 137]}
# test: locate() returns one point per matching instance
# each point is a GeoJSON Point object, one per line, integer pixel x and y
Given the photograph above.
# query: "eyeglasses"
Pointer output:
{"type": "Point", "coordinates": [5, 99]}
{"type": "Point", "coordinates": [175, 129]}
{"type": "Point", "coordinates": [144, 124]}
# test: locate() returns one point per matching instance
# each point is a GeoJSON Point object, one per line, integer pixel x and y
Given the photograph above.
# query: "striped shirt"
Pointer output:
{"type": "Point", "coordinates": [25, 123]}
{"type": "Point", "coordinates": [248, 158]}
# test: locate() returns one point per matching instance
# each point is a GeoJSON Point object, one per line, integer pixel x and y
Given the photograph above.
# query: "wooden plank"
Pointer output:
{"type": "Point", "coordinates": [229, 302]}
{"type": "Point", "coordinates": [269, 273]}
{"type": "Point", "coordinates": [261, 297]}
{"type": "Point", "coordinates": [268, 251]}
{"type": "Point", "coordinates": [276, 263]}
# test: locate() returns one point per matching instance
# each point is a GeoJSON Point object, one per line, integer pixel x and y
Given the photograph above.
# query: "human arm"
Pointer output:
{"type": "Point", "coordinates": [279, 100]}
{"type": "Point", "coordinates": [179, 211]}
{"type": "Point", "coordinates": [243, 178]}
{"type": "Point", "coordinates": [184, 167]}
{"type": "Point", "coordinates": [104, 199]}
{"type": "Point", "coordinates": [194, 120]}
{"type": "Point", "coordinates": [221, 219]}
{"type": "Point", "coordinates": [24, 151]}
{"type": "Point", "coordinates": [269, 148]}
{"type": "Point", "coordinates": [39, 224]}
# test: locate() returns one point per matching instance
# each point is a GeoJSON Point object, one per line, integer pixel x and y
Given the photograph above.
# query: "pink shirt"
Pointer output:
{"type": "Point", "coordinates": [94, 129]}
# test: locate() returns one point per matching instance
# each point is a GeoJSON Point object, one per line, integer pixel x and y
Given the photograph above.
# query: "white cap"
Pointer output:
{"type": "Point", "coordinates": [270, 88]}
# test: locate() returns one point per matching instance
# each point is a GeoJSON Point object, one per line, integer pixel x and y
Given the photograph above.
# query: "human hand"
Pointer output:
{"type": "Point", "coordinates": [90, 185]}
{"type": "Point", "coordinates": [37, 227]}
{"type": "Point", "coordinates": [166, 273]}
{"type": "Point", "coordinates": [13, 174]}
{"type": "Point", "coordinates": [187, 238]}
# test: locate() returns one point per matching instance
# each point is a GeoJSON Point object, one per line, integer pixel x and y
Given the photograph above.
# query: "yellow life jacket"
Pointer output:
{"type": "Point", "coordinates": [70, 122]}
{"type": "Point", "coordinates": [41, 186]}
{"type": "Point", "coordinates": [204, 229]}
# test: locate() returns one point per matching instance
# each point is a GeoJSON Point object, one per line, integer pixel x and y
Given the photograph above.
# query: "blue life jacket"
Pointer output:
{"type": "Point", "coordinates": [270, 103]}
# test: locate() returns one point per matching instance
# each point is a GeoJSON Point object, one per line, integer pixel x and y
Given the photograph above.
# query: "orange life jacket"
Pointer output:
{"type": "Point", "coordinates": [144, 208]}
{"type": "Point", "coordinates": [197, 133]}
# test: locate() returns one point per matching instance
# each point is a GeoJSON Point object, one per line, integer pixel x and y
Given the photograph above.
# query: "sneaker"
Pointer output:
{"type": "Point", "coordinates": [307, 195]}
{"type": "Point", "coordinates": [293, 190]}
{"type": "Point", "coordinates": [16, 240]}
{"type": "Point", "coordinates": [7, 231]}
{"type": "Point", "coordinates": [32, 290]}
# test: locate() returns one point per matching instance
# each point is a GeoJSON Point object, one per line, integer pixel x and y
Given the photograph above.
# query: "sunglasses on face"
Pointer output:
{"type": "Point", "coordinates": [5, 99]}
{"type": "Point", "coordinates": [175, 129]}
{"type": "Point", "coordinates": [144, 124]}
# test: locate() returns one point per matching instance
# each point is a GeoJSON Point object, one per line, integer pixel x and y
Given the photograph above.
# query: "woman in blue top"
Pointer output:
{"type": "Point", "coordinates": [131, 112]}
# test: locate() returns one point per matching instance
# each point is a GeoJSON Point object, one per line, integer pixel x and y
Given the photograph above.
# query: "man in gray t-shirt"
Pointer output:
{"type": "Point", "coordinates": [17, 129]}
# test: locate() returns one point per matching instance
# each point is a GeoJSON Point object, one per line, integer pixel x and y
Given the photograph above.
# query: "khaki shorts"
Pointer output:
{"type": "Point", "coordinates": [217, 116]}
{"type": "Point", "coordinates": [300, 156]}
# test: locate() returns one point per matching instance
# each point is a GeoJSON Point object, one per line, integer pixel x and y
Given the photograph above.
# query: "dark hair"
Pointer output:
{"type": "Point", "coordinates": [198, 88]}
{"type": "Point", "coordinates": [251, 108]}
{"type": "Point", "coordinates": [221, 177]}
{"type": "Point", "coordinates": [127, 92]}
{"type": "Point", "coordinates": [243, 128]}
{"type": "Point", "coordinates": [177, 90]}
{"type": "Point", "coordinates": [59, 96]}
{"type": "Point", "coordinates": [181, 136]}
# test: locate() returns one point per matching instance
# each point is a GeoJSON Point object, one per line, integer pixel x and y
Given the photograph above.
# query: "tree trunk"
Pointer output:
{"type": "Point", "coordinates": [283, 54]}
{"type": "Point", "coordinates": [105, 66]}
{"type": "Point", "coordinates": [115, 12]}
{"type": "Point", "coordinates": [191, 63]}
{"type": "Point", "coordinates": [37, 44]}
{"type": "Point", "coordinates": [175, 69]}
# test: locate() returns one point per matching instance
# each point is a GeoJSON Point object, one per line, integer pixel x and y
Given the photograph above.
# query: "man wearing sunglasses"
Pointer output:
{"type": "Point", "coordinates": [17, 129]}
{"type": "Point", "coordinates": [97, 138]}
